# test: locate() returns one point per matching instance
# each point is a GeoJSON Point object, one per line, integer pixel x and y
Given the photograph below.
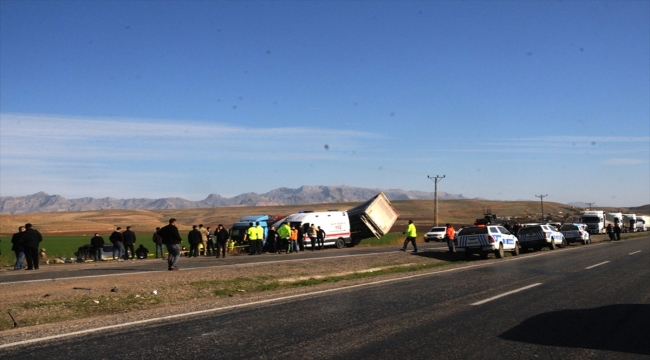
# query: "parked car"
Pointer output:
{"type": "Point", "coordinates": [484, 240]}
{"type": "Point", "coordinates": [537, 236]}
{"type": "Point", "coordinates": [437, 233]}
{"type": "Point", "coordinates": [575, 232]}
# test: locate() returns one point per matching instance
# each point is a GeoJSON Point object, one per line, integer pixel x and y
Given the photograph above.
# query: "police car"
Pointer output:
{"type": "Point", "coordinates": [484, 240]}
{"type": "Point", "coordinates": [538, 236]}
{"type": "Point", "coordinates": [437, 233]}
{"type": "Point", "coordinates": [575, 232]}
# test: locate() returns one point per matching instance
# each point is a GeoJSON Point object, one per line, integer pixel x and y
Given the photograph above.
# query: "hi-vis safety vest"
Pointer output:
{"type": "Point", "coordinates": [294, 235]}
{"type": "Point", "coordinates": [251, 233]}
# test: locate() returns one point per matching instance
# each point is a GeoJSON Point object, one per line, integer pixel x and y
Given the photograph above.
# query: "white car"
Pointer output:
{"type": "Point", "coordinates": [484, 240]}
{"type": "Point", "coordinates": [437, 233]}
{"type": "Point", "coordinates": [538, 236]}
{"type": "Point", "coordinates": [575, 233]}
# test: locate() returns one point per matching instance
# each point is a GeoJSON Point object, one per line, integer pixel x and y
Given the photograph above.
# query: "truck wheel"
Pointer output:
{"type": "Point", "coordinates": [499, 252]}
{"type": "Point", "coordinates": [516, 251]}
{"type": "Point", "coordinates": [564, 243]}
{"type": "Point", "coordinates": [340, 243]}
{"type": "Point", "coordinates": [551, 246]}
{"type": "Point", "coordinates": [426, 240]}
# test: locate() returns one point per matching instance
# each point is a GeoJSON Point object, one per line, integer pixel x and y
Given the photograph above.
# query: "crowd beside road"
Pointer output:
{"type": "Point", "coordinates": [204, 242]}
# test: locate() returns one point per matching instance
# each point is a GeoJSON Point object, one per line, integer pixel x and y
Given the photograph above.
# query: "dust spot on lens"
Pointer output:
{"type": "Point", "coordinates": [593, 143]}
{"type": "Point", "coordinates": [234, 107]}
{"type": "Point", "coordinates": [327, 147]}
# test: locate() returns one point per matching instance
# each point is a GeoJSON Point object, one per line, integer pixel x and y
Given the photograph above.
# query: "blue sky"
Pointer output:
{"type": "Point", "coordinates": [508, 99]}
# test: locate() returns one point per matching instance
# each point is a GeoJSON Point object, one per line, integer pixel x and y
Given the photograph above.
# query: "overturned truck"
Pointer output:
{"type": "Point", "coordinates": [374, 217]}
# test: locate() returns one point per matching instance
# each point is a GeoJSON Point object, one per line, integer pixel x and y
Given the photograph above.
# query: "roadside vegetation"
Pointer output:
{"type": "Point", "coordinates": [66, 246]}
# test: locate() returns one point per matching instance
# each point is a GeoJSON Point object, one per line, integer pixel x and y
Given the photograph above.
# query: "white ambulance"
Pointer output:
{"type": "Point", "coordinates": [336, 225]}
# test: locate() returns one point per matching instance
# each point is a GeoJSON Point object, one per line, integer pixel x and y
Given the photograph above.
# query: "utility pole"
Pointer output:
{"type": "Point", "coordinates": [591, 203]}
{"type": "Point", "coordinates": [541, 197]}
{"type": "Point", "coordinates": [436, 180]}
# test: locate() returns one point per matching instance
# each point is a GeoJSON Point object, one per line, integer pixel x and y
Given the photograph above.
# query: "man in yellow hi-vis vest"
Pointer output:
{"type": "Point", "coordinates": [411, 234]}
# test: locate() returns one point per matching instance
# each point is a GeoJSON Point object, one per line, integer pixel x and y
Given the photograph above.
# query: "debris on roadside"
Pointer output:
{"type": "Point", "coordinates": [12, 319]}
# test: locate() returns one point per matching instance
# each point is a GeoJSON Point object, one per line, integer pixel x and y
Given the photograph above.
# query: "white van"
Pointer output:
{"type": "Point", "coordinates": [336, 225]}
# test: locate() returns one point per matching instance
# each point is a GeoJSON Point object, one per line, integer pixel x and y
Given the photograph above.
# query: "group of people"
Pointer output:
{"type": "Point", "coordinates": [286, 238]}
{"type": "Point", "coordinates": [25, 245]}
{"type": "Point", "coordinates": [123, 245]}
{"type": "Point", "coordinates": [614, 232]}
{"type": "Point", "coordinates": [202, 241]}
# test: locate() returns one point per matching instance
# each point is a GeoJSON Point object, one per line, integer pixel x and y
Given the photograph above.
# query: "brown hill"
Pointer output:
{"type": "Point", "coordinates": [458, 212]}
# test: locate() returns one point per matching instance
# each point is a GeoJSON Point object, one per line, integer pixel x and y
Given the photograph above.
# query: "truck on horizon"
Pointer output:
{"type": "Point", "coordinates": [597, 220]}
{"type": "Point", "coordinates": [629, 222]}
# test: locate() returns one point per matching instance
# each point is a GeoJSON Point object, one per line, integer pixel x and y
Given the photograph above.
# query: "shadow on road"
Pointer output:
{"type": "Point", "coordinates": [622, 328]}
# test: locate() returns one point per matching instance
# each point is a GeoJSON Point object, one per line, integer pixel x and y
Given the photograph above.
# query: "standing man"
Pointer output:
{"type": "Point", "coordinates": [204, 238]}
{"type": "Point", "coordinates": [449, 236]}
{"type": "Point", "coordinates": [159, 245]}
{"type": "Point", "coordinates": [210, 249]}
{"type": "Point", "coordinates": [301, 237]}
{"type": "Point", "coordinates": [31, 239]}
{"type": "Point", "coordinates": [251, 236]}
{"type": "Point", "coordinates": [610, 232]}
{"type": "Point", "coordinates": [617, 231]}
{"type": "Point", "coordinates": [312, 232]}
{"type": "Point", "coordinates": [260, 237]}
{"type": "Point", "coordinates": [411, 234]}
{"type": "Point", "coordinates": [271, 240]}
{"type": "Point", "coordinates": [172, 239]}
{"type": "Point", "coordinates": [129, 240]}
{"type": "Point", "coordinates": [194, 238]}
{"type": "Point", "coordinates": [118, 243]}
{"type": "Point", "coordinates": [284, 232]}
{"type": "Point", "coordinates": [320, 236]}
{"type": "Point", "coordinates": [221, 236]}
{"type": "Point", "coordinates": [18, 248]}
{"type": "Point", "coordinates": [98, 246]}
{"type": "Point", "coordinates": [294, 240]}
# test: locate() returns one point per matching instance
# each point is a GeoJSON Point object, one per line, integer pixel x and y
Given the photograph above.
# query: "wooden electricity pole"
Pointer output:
{"type": "Point", "coordinates": [435, 179]}
{"type": "Point", "coordinates": [541, 197]}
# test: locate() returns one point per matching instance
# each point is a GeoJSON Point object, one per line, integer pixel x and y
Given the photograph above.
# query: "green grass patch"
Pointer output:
{"type": "Point", "coordinates": [393, 238]}
{"type": "Point", "coordinates": [270, 283]}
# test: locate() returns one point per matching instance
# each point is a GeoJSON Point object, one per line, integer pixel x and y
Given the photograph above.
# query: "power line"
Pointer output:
{"type": "Point", "coordinates": [590, 203]}
{"type": "Point", "coordinates": [436, 180]}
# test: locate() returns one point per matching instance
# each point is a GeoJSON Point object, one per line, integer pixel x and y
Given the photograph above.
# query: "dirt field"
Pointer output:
{"type": "Point", "coordinates": [421, 211]}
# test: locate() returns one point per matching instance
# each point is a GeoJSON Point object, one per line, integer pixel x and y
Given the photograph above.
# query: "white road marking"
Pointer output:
{"type": "Point", "coordinates": [593, 266]}
{"type": "Point", "coordinates": [505, 294]}
{"type": "Point", "coordinates": [636, 252]}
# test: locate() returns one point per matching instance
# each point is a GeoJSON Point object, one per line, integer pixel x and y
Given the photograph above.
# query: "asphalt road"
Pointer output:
{"type": "Point", "coordinates": [110, 268]}
{"type": "Point", "coordinates": [587, 302]}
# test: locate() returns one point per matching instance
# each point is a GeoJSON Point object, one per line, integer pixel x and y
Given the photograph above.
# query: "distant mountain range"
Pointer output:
{"type": "Point", "coordinates": [42, 202]}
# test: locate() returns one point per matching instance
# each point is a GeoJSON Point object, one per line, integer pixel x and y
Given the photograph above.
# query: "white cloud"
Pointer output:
{"type": "Point", "coordinates": [625, 161]}
{"type": "Point", "coordinates": [50, 137]}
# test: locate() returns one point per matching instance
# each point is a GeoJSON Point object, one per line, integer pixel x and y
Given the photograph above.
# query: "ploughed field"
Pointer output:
{"type": "Point", "coordinates": [457, 212]}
